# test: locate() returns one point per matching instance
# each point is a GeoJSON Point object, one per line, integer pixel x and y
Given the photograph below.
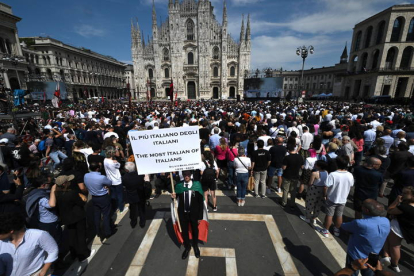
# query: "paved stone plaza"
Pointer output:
{"type": "Point", "coordinates": [260, 238]}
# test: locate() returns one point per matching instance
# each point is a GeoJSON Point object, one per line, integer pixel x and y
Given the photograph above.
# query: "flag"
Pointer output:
{"type": "Point", "coordinates": [102, 99]}
{"type": "Point", "coordinates": [56, 99]}
{"type": "Point", "coordinates": [172, 90]}
{"type": "Point", "coordinates": [202, 226]}
{"type": "Point", "coordinates": [148, 91]}
{"type": "Point", "coordinates": [44, 96]}
{"type": "Point", "coordinates": [176, 96]}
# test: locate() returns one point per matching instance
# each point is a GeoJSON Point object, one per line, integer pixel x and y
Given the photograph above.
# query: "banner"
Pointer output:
{"type": "Point", "coordinates": [166, 150]}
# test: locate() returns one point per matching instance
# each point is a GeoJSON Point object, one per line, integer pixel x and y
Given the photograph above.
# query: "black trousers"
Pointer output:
{"type": "Point", "coordinates": [102, 207]}
{"type": "Point", "coordinates": [137, 209]}
{"type": "Point", "coordinates": [185, 221]}
{"type": "Point", "coordinates": [77, 240]}
{"type": "Point", "coordinates": [53, 229]}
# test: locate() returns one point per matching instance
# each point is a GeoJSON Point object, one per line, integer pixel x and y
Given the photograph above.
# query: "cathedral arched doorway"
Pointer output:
{"type": "Point", "coordinates": [152, 92]}
{"type": "Point", "coordinates": [191, 90]}
{"type": "Point", "coordinates": [215, 93]}
{"type": "Point", "coordinates": [232, 93]}
{"type": "Point", "coordinates": [167, 92]}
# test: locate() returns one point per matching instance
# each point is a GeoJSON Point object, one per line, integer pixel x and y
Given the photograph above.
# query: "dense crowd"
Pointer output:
{"type": "Point", "coordinates": [325, 153]}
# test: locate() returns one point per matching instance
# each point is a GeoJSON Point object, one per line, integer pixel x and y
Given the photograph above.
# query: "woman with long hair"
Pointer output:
{"type": "Point", "coordinates": [207, 182]}
{"type": "Point", "coordinates": [242, 166]}
{"type": "Point", "coordinates": [220, 152]}
{"type": "Point", "coordinates": [112, 167]}
{"type": "Point", "coordinates": [80, 153]}
{"type": "Point", "coordinates": [70, 206]}
{"type": "Point", "coordinates": [317, 145]}
{"type": "Point", "coordinates": [359, 142]}
{"type": "Point", "coordinates": [232, 153]}
{"type": "Point", "coordinates": [307, 172]}
{"type": "Point", "coordinates": [314, 199]}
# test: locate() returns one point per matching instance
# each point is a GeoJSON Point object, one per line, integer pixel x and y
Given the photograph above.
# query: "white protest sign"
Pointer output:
{"type": "Point", "coordinates": [166, 150]}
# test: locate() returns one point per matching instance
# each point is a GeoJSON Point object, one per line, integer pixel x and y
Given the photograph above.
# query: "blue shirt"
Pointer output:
{"type": "Point", "coordinates": [368, 235]}
{"type": "Point", "coordinates": [388, 141]}
{"type": "Point", "coordinates": [214, 141]}
{"type": "Point", "coordinates": [369, 135]}
{"type": "Point", "coordinates": [95, 183]}
{"type": "Point", "coordinates": [36, 248]}
{"type": "Point", "coordinates": [47, 214]}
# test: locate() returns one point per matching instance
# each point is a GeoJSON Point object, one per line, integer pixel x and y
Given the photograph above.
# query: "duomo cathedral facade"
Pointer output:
{"type": "Point", "coordinates": [192, 50]}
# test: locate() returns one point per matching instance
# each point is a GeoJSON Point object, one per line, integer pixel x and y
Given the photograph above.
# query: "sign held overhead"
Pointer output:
{"type": "Point", "coordinates": [166, 150]}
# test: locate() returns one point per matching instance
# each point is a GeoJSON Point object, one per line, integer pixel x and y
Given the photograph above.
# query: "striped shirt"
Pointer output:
{"type": "Point", "coordinates": [36, 248]}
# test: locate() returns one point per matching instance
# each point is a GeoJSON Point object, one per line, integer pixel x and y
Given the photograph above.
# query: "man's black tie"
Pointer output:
{"type": "Point", "coordinates": [186, 200]}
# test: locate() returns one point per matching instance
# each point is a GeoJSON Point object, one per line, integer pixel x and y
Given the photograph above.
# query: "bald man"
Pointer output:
{"type": "Point", "coordinates": [367, 183]}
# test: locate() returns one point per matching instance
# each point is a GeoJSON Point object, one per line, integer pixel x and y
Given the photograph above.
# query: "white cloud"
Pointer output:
{"type": "Point", "coordinates": [334, 16]}
{"type": "Point", "coordinates": [276, 52]}
{"type": "Point", "coordinates": [86, 30]}
{"type": "Point", "coordinates": [327, 24]}
{"type": "Point", "coordinates": [127, 61]}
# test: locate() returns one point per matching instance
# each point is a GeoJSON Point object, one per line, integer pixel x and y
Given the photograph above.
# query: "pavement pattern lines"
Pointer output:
{"type": "Point", "coordinates": [284, 256]}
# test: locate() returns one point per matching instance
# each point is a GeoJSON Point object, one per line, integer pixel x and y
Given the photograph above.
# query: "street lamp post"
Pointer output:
{"type": "Point", "coordinates": [303, 52]}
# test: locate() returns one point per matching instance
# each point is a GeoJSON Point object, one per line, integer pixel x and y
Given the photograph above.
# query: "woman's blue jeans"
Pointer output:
{"type": "Point", "coordinates": [241, 180]}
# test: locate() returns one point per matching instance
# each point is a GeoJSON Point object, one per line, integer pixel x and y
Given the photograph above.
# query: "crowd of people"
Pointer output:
{"type": "Point", "coordinates": [328, 154]}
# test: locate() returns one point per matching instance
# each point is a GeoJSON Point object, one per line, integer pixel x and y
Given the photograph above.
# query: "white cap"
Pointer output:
{"type": "Point", "coordinates": [4, 141]}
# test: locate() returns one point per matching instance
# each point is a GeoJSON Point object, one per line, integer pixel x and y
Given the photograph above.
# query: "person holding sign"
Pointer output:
{"type": "Point", "coordinates": [191, 213]}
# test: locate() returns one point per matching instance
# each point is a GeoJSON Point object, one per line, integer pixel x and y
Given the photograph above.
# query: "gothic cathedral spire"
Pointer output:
{"type": "Point", "coordinates": [344, 56]}
{"type": "Point", "coordinates": [154, 14]}
{"type": "Point", "coordinates": [224, 13]}
{"type": "Point", "coordinates": [242, 30]}
{"type": "Point", "coordinates": [248, 28]}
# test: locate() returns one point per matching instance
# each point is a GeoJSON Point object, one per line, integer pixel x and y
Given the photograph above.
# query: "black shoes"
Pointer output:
{"type": "Point", "coordinates": [142, 224]}
{"type": "Point", "coordinates": [185, 253]}
{"type": "Point", "coordinates": [103, 238]}
{"type": "Point", "coordinates": [196, 252]}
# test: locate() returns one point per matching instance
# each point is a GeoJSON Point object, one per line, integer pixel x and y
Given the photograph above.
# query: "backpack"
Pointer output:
{"type": "Point", "coordinates": [41, 146]}
{"type": "Point", "coordinates": [209, 174]}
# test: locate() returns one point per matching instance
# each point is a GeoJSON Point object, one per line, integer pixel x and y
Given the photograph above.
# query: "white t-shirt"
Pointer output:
{"type": "Point", "coordinates": [264, 139]}
{"type": "Point", "coordinates": [112, 171]}
{"type": "Point", "coordinates": [339, 184]}
{"type": "Point", "coordinates": [310, 163]}
{"type": "Point", "coordinates": [307, 139]}
{"type": "Point", "coordinates": [239, 166]}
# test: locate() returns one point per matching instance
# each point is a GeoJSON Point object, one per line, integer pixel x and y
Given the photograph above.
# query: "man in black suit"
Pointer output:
{"type": "Point", "coordinates": [135, 190]}
{"type": "Point", "coordinates": [190, 211]}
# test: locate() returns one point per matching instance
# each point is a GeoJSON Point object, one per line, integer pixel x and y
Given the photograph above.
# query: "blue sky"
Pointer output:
{"type": "Point", "coordinates": [278, 26]}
